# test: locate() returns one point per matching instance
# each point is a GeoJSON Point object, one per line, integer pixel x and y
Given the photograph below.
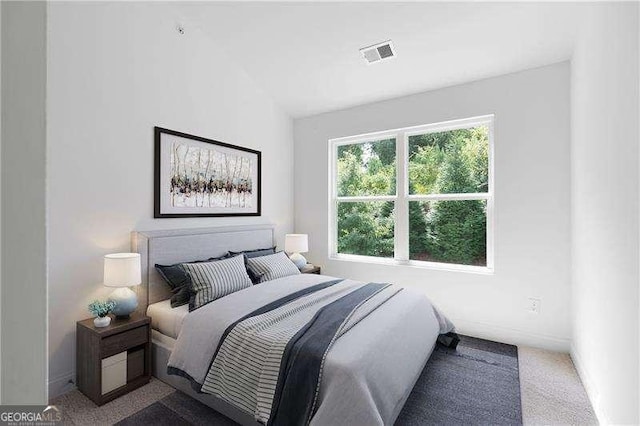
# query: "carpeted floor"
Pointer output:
{"type": "Point", "coordinates": [79, 410]}
{"type": "Point", "coordinates": [177, 409]}
{"type": "Point", "coordinates": [550, 392]}
{"type": "Point", "coordinates": [480, 379]}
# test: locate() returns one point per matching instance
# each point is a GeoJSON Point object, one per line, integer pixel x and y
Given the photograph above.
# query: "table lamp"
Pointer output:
{"type": "Point", "coordinates": [122, 270]}
{"type": "Point", "coordinates": [296, 244]}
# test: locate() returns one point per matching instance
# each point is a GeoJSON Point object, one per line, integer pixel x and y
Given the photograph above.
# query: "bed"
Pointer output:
{"type": "Point", "coordinates": [368, 373]}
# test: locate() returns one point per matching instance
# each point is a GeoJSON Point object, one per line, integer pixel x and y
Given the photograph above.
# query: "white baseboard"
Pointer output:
{"type": "Point", "coordinates": [511, 336]}
{"type": "Point", "coordinates": [589, 386]}
{"type": "Point", "coordinates": [61, 385]}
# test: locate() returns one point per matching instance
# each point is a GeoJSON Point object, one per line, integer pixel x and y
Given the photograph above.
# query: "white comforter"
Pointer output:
{"type": "Point", "coordinates": [368, 373]}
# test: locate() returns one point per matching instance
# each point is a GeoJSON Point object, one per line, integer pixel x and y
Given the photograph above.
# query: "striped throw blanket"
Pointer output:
{"type": "Point", "coordinates": [270, 362]}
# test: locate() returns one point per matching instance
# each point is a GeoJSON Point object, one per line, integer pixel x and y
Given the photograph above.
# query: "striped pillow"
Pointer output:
{"type": "Point", "coordinates": [213, 280]}
{"type": "Point", "coordinates": [272, 266]}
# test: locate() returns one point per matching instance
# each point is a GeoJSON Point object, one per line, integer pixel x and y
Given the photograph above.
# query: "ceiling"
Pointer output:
{"type": "Point", "coordinates": [306, 55]}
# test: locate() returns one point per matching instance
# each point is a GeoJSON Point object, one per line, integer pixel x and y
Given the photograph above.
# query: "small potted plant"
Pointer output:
{"type": "Point", "coordinates": [101, 310]}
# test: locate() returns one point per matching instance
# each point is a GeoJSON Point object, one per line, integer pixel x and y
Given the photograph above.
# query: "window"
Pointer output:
{"type": "Point", "coordinates": [418, 196]}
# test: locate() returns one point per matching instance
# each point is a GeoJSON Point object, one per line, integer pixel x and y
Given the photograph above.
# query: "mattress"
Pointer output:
{"type": "Point", "coordinates": [165, 319]}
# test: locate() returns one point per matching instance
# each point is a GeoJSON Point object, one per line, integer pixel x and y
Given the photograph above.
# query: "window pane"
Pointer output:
{"type": "Point", "coordinates": [455, 161]}
{"type": "Point", "coordinates": [366, 228]}
{"type": "Point", "coordinates": [448, 231]}
{"type": "Point", "coordinates": [367, 168]}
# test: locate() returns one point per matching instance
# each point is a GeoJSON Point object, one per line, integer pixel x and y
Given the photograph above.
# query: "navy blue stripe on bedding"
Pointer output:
{"type": "Point", "coordinates": [294, 399]}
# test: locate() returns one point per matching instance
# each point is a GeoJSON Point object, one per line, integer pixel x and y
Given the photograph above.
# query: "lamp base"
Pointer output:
{"type": "Point", "coordinates": [126, 302]}
{"type": "Point", "coordinates": [298, 260]}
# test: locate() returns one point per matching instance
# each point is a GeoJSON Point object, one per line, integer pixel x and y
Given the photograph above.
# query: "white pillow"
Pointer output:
{"type": "Point", "coordinates": [213, 280]}
{"type": "Point", "coordinates": [272, 266]}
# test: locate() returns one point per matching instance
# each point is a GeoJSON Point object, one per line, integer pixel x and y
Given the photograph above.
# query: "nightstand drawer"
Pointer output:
{"type": "Point", "coordinates": [123, 341]}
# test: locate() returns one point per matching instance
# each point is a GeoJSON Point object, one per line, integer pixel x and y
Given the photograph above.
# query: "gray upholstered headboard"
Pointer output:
{"type": "Point", "coordinates": [167, 247]}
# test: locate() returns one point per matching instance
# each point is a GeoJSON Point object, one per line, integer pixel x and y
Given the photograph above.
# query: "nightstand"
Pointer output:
{"type": "Point", "coordinates": [113, 360]}
{"type": "Point", "coordinates": [310, 269]}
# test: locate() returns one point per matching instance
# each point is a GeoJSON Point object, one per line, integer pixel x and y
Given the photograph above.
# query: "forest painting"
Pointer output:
{"type": "Point", "coordinates": [202, 177]}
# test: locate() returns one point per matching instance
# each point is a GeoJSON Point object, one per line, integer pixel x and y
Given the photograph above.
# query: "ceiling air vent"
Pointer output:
{"type": "Point", "coordinates": [378, 52]}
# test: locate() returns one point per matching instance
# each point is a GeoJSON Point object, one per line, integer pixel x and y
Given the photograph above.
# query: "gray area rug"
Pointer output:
{"type": "Point", "coordinates": [476, 384]}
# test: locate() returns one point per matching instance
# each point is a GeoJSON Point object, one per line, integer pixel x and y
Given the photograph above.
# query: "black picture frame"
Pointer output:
{"type": "Point", "coordinates": [158, 171]}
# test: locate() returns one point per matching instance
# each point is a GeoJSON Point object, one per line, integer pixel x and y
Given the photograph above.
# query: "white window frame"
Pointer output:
{"type": "Point", "coordinates": [402, 197]}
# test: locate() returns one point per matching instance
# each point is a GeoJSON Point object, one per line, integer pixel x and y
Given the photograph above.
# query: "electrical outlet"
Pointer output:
{"type": "Point", "coordinates": [534, 305]}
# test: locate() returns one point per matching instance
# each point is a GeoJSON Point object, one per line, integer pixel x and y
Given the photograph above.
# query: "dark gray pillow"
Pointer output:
{"type": "Point", "coordinates": [179, 281]}
{"type": "Point", "coordinates": [255, 253]}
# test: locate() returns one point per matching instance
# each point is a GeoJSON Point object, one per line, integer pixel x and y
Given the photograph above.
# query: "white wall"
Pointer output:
{"type": "Point", "coordinates": [532, 202]}
{"type": "Point", "coordinates": [24, 320]}
{"type": "Point", "coordinates": [114, 71]}
{"type": "Point", "coordinates": [605, 210]}
{"type": "Point", "coordinates": [0, 205]}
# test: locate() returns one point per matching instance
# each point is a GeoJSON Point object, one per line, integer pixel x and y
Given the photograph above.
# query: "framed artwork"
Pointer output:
{"type": "Point", "coordinates": [199, 177]}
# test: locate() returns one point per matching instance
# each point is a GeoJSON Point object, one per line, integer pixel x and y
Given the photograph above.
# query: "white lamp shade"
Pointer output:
{"type": "Point", "coordinates": [296, 243]}
{"type": "Point", "coordinates": [122, 270]}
